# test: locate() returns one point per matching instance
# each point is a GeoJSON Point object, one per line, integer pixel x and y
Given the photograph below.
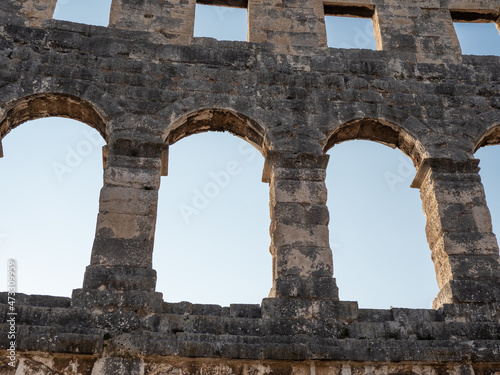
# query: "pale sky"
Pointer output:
{"type": "Point", "coordinates": [221, 254]}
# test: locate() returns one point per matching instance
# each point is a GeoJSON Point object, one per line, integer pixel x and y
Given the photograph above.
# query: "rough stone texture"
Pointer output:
{"type": "Point", "coordinates": [173, 20]}
{"type": "Point", "coordinates": [145, 83]}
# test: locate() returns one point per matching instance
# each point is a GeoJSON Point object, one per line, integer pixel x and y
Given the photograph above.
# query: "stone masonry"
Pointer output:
{"type": "Point", "coordinates": [144, 83]}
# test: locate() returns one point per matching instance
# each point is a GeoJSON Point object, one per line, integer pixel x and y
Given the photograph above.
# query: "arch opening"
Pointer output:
{"type": "Point", "coordinates": [217, 120]}
{"type": "Point", "coordinates": [487, 150]}
{"type": "Point", "coordinates": [51, 179]}
{"type": "Point", "coordinates": [377, 226]}
{"type": "Point", "coordinates": [211, 242]}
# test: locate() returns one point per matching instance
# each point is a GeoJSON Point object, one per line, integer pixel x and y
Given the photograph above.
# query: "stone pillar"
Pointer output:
{"type": "Point", "coordinates": [459, 232]}
{"type": "Point", "coordinates": [174, 19]}
{"type": "Point", "coordinates": [426, 33]}
{"type": "Point", "coordinates": [29, 12]}
{"type": "Point", "coordinates": [290, 25]}
{"type": "Point", "coordinates": [302, 258]}
{"type": "Point", "coordinates": [121, 258]}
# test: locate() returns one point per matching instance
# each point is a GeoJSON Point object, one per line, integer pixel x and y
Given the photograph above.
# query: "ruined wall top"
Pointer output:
{"type": "Point", "coordinates": [422, 30]}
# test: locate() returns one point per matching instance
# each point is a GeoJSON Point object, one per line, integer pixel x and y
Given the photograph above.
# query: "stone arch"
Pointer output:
{"type": "Point", "coordinates": [381, 131]}
{"type": "Point", "coordinates": [219, 120]}
{"type": "Point", "coordinates": [488, 138]}
{"type": "Point", "coordinates": [37, 106]}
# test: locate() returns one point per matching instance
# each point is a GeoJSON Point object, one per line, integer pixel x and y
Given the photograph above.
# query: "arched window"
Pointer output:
{"type": "Point", "coordinates": [51, 175]}
{"type": "Point", "coordinates": [490, 177]}
{"type": "Point", "coordinates": [212, 232]}
{"type": "Point", "coordinates": [377, 227]}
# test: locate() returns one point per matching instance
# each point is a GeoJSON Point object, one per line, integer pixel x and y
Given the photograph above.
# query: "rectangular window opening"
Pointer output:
{"type": "Point", "coordinates": [349, 26]}
{"type": "Point", "coordinates": [477, 32]}
{"type": "Point", "coordinates": [221, 19]}
{"type": "Point", "coordinates": [89, 12]}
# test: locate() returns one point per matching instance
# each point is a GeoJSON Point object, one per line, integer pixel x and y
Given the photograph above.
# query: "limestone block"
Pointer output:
{"type": "Point", "coordinates": [310, 192]}
{"type": "Point", "coordinates": [130, 299]}
{"type": "Point", "coordinates": [454, 191]}
{"type": "Point", "coordinates": [467, 291]}
{"type": "Point", "coordinates": [126, 226]}
{"type": "Point", "coordinates": [450, 218]}
{"type": "Point", "coordinates": [300, 213]}
{"type": "Point", "coordinates": [304, 261]}
{"type": "Point", "coordinates": [300, 308]}
{"type": "Point", "coordinates": [172, 19]}
{"type": "Point", "coordinates": [126, 200]}
{"type": "Point", "coordinates": [119, 278]}
{"type": "Point", "coordinates": [469, 313]}
{"type": "Point", "coordinates": [304, 174]}
{"type": "Point", "coordinates": [475, 266]}
{"type": "Point", "coordinates": [453, 243]}
{"type": "Point", "coordinates": [287, 24]}
{"type": "Point", "coordinates": [132, 177]}
{"type": "Point", "coordinates": [37, 11]}
{"type": "Point", "coordinates": [425, 29]}
{"type": "Point", "coordinates": [299, 235]}
{"type": "Point", "coordinates": [473, 5]}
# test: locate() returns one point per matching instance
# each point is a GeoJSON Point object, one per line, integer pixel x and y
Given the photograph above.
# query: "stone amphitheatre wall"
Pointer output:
{"type": "Point", "coordinates": [144, 83]}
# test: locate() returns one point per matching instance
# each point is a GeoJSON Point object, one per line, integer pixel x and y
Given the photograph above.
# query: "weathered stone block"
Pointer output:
{"type": "Point", "coordinates": [129, 300]}
{"type": "Point", "coordinates": [126, 200]}
{"type": "Point", "coordinates": [119, 278]}
{"type": "Point", "coordinates": [297, 308]}
{"type": "Point", "coordinates": [299, 235]}
{"type": "Point", "coordinates": [467, 243]}
{"type": "Point", "coordinates": [244, 311]}
{"type": "Point", "coordinates": [132, 177]}
{"type": "Point", "coordinates": [304, 261]}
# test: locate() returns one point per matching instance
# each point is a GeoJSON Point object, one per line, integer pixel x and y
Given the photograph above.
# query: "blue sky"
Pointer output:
{"type": "Point", "coordinates": [220, 254]}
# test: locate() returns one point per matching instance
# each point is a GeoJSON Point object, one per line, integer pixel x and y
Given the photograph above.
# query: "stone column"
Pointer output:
{"type": "Point", "coordinates": [27, 12]}
{"type": "Point", "coordinates": [426, 33]}
{"type": "Point", "coordinates": [289, 25]}
{"type": "Point", "coordinates": [302, 258]}
{"type": "Point", "coordinates": [121, 258]}
{"type": "Point", "coordinates": [459, 232]}
{"type": "Point", "coordinates": [173, 19]}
